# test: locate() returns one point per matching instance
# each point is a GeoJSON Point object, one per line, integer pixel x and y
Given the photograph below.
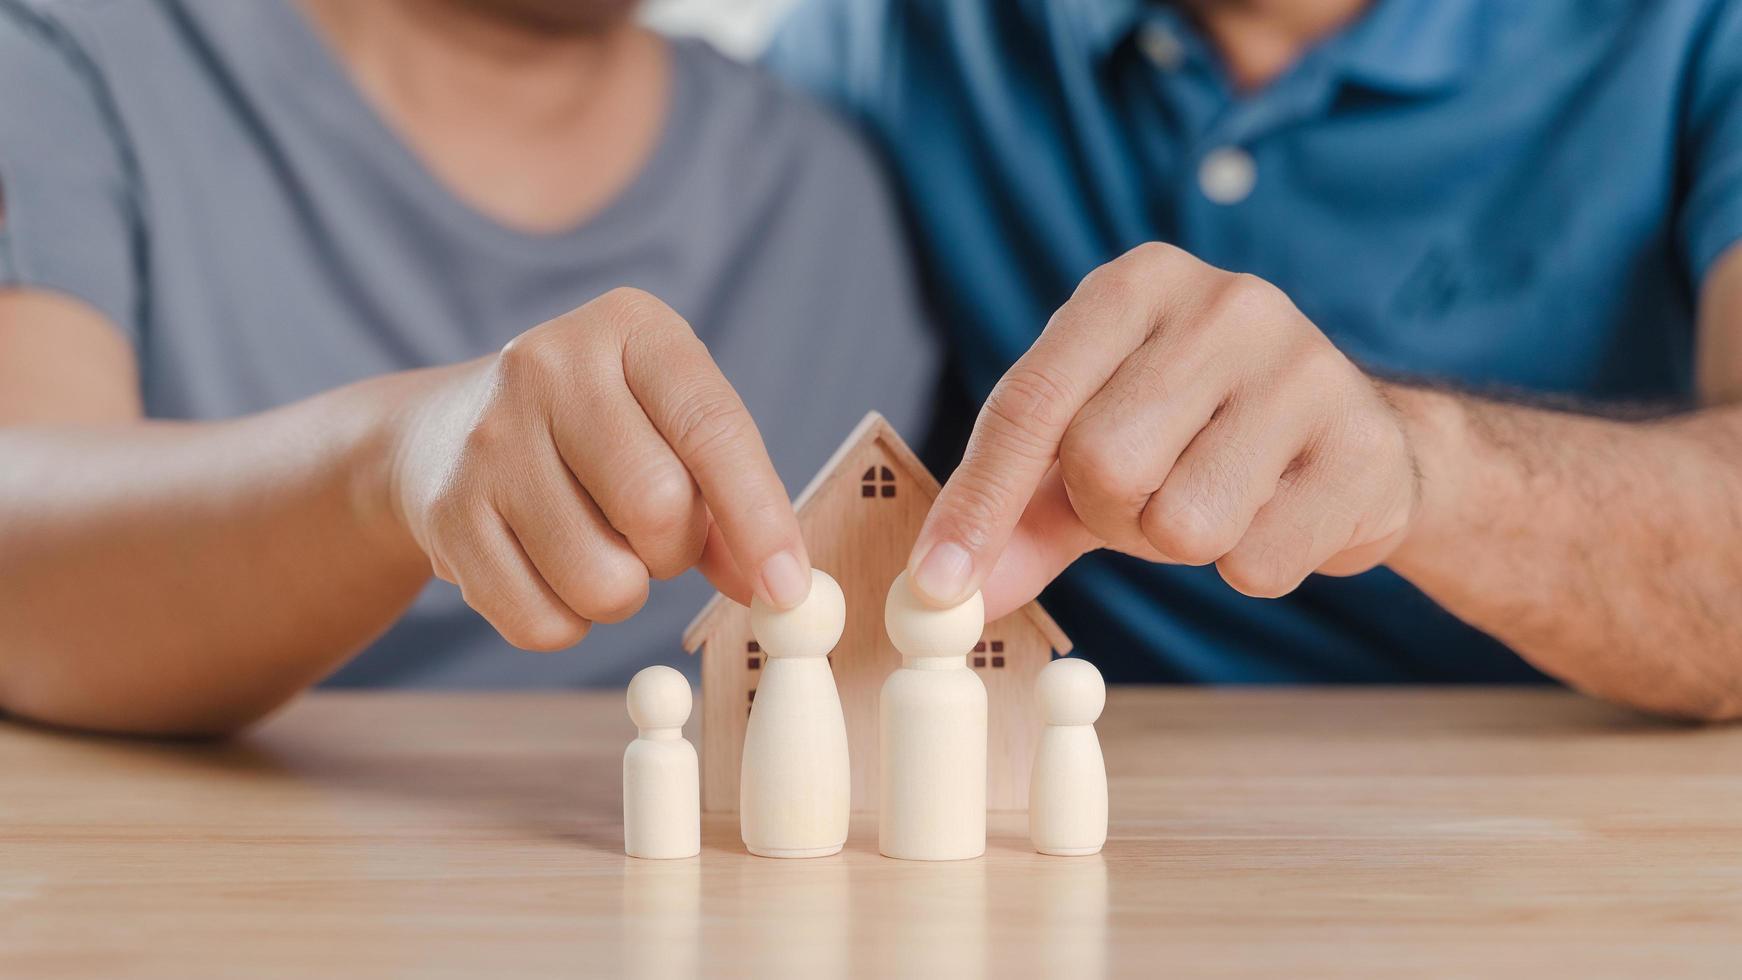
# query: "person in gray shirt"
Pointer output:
{"type": "Point", "coordinates": [302, 302]}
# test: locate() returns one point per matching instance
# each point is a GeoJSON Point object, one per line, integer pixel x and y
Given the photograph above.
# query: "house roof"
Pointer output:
{"type": "Point", "coordinates": [872, 428]}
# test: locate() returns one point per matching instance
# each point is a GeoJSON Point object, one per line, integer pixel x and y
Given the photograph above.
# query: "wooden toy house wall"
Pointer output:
{"type": "Point", "coordinates": [860, 516]}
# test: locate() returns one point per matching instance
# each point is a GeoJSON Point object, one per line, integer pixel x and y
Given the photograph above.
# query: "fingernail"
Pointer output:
{"type": "Point", "coordinates": [942, 575]}
{"type": "Point", "coordinates": [784, 581]}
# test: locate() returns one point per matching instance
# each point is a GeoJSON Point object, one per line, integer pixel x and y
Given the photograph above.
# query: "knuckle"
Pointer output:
{"type": "Point", "coordinates": [1102, 469]}
{"type": "Point", "coordinates": [629, 299]}
{"type": "Point", "coordinates": [679, 555]}
{"type": "Point", "coordinates": [633, 312]}
{"type": "Point", "coordinates": [1126, 281]}
{"type": "Point", "coordinates": [659, 505]}
{"type": "Point", "coordinates": [1152, 257]}
{"type": "Point", "coordinates": [1319, 368]}
{"type": "Point", "coordinates": [537, 353]}
{"type": "Point", "coordinates": [544, 633]}
{"type": "Point", "coordinates": [1248, 291]}
{"type": "Point", "coordinates": [526, 625]}
{"type": "Point", "coordinates": [1246, 300]}
{"type": "Point", "coordinates": [489, 436]}
{"type": "Point", "coordinates": [452, 511]}
{"type": "Point", "coordinates": [1029, 403]}
{"type": "Point", "coordinates": [1117, 285]}
{"type": "Point", "coordinates": [616, 593]}
{"type": "Point", "coordinates": [770, 512]}
{"type": "Point", "coordinates": [975, 507]}
{"type": "Point", "coordinates": [1187, 531]}
{"type": "Point", "coordinates": [1261, 572]}
{"type": "Point", "coordinates": [707, 420]}
{"type": "Point", "coordinates": [767, 511]}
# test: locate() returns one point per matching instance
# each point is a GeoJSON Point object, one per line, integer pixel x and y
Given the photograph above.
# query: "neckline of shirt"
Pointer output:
{"type": "Point", "coordinates": [321, 74]}
{"type": "Point", "coordinates": [1405, 47]}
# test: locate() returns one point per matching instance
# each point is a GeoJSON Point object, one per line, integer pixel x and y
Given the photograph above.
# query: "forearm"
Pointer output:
{"type": "Point", "coordinates": [189, 577]}
{"type": "Point", "coordinates": [1607, 553]}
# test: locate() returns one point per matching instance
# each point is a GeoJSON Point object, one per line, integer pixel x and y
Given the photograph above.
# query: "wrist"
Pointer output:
{"type": "Point", "coordinates": [395, 412]}
{"type": "Point", "coordinates": [1437, 427]}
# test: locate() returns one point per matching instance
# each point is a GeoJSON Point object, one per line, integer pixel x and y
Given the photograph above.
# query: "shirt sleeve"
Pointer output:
{"type": "Point", "coordinates": [68, 215]}
{"type": "Point", "coordinates": [1711, 219]}
{"type": "Point", "coordinates": [841, 53]}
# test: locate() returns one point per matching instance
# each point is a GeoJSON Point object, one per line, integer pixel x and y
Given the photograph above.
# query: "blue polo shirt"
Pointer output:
{"type": "Point", "coordinates": [1512, 196]}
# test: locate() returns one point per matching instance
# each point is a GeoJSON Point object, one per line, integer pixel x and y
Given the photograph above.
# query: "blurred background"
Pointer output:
{"type": "Point", "coordinates": [740, 28]}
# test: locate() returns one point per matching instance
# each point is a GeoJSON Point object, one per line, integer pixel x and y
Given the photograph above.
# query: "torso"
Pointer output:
{"type": "Point", "coordinates": [1476, 192]}
{"type": "Point", "coordinates": [291, 243]}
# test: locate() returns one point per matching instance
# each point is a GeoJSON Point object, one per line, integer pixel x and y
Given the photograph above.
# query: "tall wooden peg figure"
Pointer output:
{"type": "Point", "coordinates": [1067, 789]}
{"type": "Point", "coordinates": [662, 801]}
{"type": "Point", "coordinates": [794, 783]}
{"type": "Point", "coordinates": [931, 732]}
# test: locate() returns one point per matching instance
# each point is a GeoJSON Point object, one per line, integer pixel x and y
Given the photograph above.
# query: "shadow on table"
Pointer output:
{"type": "Point", "coordinates": [134, 752]}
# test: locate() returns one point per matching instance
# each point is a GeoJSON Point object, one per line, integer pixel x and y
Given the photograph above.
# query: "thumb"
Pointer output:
{"type": "Point", "coordinates": [721, 570]}
{"type": "Point", "coordinates": [1046, 541]}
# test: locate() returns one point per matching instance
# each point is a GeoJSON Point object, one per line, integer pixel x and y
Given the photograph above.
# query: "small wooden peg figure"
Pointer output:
{"type": "Point", "coordinates": [662, 803]}
{"type": "Point", "coordinates": [1067, 791]}
{"type": "Point", "coordinates": [795, 779]}
{"type": "Point", "coordinates": [932, 732]}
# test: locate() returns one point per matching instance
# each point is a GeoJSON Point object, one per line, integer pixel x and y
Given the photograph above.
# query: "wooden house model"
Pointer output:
{"type": "Point", "coordinates": [860, 516]}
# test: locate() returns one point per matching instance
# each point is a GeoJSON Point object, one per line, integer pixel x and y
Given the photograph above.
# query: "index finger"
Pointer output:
{"type": "Point", "coordinates": [699, 414]}
{"type": "Point", "coordinates": [1016, 436]}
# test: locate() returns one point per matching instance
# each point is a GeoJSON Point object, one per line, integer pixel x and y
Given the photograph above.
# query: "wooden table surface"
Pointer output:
{"type": "Point", "coordinates": [1264, 833]}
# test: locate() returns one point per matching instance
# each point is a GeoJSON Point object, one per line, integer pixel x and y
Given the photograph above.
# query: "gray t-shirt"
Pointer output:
{"type": "Point", "coordinates": [204, 173]}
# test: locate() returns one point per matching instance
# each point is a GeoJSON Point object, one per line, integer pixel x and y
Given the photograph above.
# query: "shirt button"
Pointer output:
{"type": "Point", "coordinates": [1161, 46]}
{"type": "Point", "coordinates": [1227, 175]}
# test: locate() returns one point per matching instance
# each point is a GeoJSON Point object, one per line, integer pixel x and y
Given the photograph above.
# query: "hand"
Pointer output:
{"type": "Point", "coordinates": [595, 451]}
{"type": "Point", "coordinates": [1179, 413]}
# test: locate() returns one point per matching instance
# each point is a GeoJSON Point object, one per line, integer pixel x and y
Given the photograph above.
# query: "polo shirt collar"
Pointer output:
{"type": "Point", "coordinates": [1401, 46]}
{"type": "Point", "coordinates": [1415, 46]}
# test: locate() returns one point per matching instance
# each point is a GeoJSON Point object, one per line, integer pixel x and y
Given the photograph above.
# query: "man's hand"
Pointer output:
{"type": "Point", "coordinates": [1179, 413]}
{"type": "Point", "coordinates": [604, 447]}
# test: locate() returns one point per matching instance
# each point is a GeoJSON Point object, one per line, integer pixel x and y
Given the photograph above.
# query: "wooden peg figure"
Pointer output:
{"type": "Point", "coordinates": [794, 783]}
{"type": "Point", "coordinates": [1067, 789]}
{"type": "Point", "coordinates": [932, 732]}
{"type": "Point", "coordinates": [662, 801]}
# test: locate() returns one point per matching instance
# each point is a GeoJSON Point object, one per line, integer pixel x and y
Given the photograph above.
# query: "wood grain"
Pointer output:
{"type": "Point", "coordinates": [1254, 833]}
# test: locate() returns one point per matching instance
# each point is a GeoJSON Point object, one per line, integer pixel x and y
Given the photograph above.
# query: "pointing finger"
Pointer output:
{"type": "Point", "coordinates": [1016, 437]}
{"type": "Point", "coordinates": [705, 422]}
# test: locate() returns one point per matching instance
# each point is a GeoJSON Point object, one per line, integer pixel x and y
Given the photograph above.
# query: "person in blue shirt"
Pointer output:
{"type": "Point", "coordinates": [1439, 298]}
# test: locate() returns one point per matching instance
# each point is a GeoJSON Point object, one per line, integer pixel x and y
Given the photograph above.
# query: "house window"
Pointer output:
{"type": "Point", "coordinates": [878, 481]}
{"type": "Point", "coordinates": [997, 647]}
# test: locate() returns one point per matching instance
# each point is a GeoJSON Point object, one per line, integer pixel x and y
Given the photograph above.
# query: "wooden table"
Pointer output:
{"type": "Point", "coordinates": [1263, 833]}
